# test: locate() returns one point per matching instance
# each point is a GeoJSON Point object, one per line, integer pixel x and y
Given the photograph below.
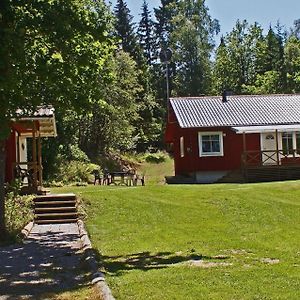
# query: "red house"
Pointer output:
{"type": "Point", "coordinates": [23, 147]}
{"type": "Point", "coordinates": [234, 138]}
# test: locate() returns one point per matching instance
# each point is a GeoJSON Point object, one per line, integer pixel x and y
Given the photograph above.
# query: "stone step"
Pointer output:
{"type": "Point", "coordinates": [54, 203]}
{"type": "Point", "coordinates": [69, 220]}
{"type": "Point", "coordinates": [55, 209]}
{"type": "Point", "coordinates": [56, 215]}
{"type": "Point", "coordinates": [55, 197]}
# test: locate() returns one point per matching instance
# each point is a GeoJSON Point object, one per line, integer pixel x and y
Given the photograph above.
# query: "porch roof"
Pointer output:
{"type": "Point", "coordinates": [245, 110]}
{"type": "Point", "coordinates": [45, 117]}
{"type": "Point", "coordinates": [267, 128]}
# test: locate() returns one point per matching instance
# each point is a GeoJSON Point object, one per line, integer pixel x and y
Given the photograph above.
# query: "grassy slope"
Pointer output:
{"type": "Point", "coordinates": [148, 234]}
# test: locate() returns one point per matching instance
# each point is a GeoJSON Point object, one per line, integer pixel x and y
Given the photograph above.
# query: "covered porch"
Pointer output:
{"type": "Point", "coordinates": [27, 134]}
{"type": "Point", "coordinates": [278, 157]}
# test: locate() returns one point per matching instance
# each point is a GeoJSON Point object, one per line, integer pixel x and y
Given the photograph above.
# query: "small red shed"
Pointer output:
{"type": "Point", "coordinates": [214, 137]}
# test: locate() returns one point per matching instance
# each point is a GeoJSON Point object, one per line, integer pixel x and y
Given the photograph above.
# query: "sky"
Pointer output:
{"type": "Point", "coordinates": [265, 12]}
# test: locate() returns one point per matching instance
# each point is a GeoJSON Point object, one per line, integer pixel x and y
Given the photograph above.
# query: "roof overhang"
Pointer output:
{"type": "Point", "coordinates": [47, 126]}
{"type": "Point", "coordinates": [266, 128]}
{"type": "Point", "coordinates": [43, 115]}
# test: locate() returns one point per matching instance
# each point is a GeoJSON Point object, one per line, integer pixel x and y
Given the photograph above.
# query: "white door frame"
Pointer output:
{"type": "Point", "coordinates": [270, 158]}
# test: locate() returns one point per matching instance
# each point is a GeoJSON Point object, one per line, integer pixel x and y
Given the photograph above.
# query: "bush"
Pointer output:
{"type": "Point", "coordinates": [157, 157]}
{"type": "Point", "coordinates": [76, 172]}
{"type": "Point", "coordinates": [18, 212]}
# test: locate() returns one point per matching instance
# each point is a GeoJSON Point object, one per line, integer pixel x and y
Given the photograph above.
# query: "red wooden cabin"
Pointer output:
{"type": "Point", "coordinates": [234, 138]}
{"type": "Point", "coordinates": [19, 163]}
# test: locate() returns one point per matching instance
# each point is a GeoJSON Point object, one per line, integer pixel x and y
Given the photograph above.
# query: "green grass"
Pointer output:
{"type": "Point", "coordinates": [147, 237]}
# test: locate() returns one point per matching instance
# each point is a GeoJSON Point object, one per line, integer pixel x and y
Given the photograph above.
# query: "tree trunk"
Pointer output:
{"type": "Point", "coordinates": [2, 190]}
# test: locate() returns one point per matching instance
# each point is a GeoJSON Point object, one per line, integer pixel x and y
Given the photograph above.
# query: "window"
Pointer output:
{"type": "Point", "coordinates": [298, 142]}
{"type": "Point", "coordinates": [291, 143]}
{"type": "Point", "coordinates": [210, 144]}
{"type": "Point", "coordinates": [181, 146]}
{"type": "Point", "coordinates": [287, 143]}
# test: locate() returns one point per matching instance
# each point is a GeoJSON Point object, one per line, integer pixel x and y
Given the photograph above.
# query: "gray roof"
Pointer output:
{"type": "Point", "coordinates": [210, 111]}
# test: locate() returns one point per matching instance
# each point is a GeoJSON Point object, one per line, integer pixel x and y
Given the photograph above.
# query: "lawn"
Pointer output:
{"type": "Point", "coordinates": [197, 241]}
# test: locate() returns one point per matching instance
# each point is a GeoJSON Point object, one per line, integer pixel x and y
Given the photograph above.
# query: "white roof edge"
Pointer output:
{"type": "Point", "coordinates": [266, 128]}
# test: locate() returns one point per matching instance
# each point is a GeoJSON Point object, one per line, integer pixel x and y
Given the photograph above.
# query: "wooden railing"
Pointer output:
{"type": "Point", "coordinates": [270, 157]}
{"type": "Point", "coordinates": [30, 173]}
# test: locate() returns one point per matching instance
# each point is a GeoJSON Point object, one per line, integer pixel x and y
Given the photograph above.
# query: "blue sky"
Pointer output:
{"type": "Point", "coordinates": [265, 12]}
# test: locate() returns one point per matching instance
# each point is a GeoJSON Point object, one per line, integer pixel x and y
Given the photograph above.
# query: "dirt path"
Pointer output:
{"type": "Point", "coordinates": [49, 261]}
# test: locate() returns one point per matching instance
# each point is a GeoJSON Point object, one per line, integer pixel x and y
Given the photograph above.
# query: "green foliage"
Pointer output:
{"type": "Point", "coordinates": [146, 34]}
{"type": "Point", "coordinates": [292, 58]}
{"type": "Point", "coordinates": [52, 52]}
{"type": "Point", "coordinates": [112, 122]}
{"type": "Point", "coordinates": [125, 31]}
{"type": "Point", "coordinates": [267, 83]}
{"type": "Point", "coordinates": [192, 43]}
{"type": "Point", "coordinates": [46, 61]}
{"type": "Point", "coordinates": [75, 172]}
{"type": "Point", "coordinates": [157, 157]}
{"type": "Point", "coordinates": [18, 211]}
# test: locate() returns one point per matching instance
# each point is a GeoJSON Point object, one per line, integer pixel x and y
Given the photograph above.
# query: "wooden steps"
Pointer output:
{"type": "Point", "coordinates": [55, 208]}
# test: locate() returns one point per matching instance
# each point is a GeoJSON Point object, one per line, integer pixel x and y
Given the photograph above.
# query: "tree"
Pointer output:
{"type": "Point", "coordinates": [111, 123]}
{"type": "Point", "coordinates": [164, 15]}
{"type": "Point", "coordinates": [268, 74]}
{"type": "Point", "coordinates": [237, 58]}
{"type": "Point", "coordinates": [146, 34]}
{"type": "Point", "coordinates": [222, 70]}
{"type": "Point", "coordinates": [296, 30]}
{"type": "Point", "coordinates": [192, 41]}
{"type": "Point", "coordinates": [125, 30]}
{"type": "Point", "coordinates": [292, 62]}
{"type": "Point", "coordinates": [51, 52]}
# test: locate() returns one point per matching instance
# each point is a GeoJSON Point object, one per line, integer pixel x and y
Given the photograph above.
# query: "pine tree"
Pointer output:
{"type": "Point", "coordinates": [222, 71]}
{"type": "Point", "coordinates": [125, 28]}
{"type": "Point", "coordinates": [146, 34]}
{"type": "Point", "coordinates": [164, 15]}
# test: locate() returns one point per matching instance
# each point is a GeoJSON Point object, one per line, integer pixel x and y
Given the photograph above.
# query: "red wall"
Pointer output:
{"type": "Point", "coordinates": [191, 162]}
{"type": "Point", "coordinates": [10, 156]}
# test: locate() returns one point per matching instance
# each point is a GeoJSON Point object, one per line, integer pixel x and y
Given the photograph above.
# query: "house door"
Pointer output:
{"type": "Point", "coordinates": [268, 146]}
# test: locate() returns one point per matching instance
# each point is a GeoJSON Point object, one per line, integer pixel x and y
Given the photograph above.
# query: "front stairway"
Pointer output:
{"type": "Point", "coordinates": [55, 208]}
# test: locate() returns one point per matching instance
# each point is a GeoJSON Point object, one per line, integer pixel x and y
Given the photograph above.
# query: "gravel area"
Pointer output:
{"type": "Point", "coordinates": [49, 261]}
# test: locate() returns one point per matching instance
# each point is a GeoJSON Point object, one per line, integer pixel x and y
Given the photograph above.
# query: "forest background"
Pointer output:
{"type": "Point", "coordinates": [121, 106]}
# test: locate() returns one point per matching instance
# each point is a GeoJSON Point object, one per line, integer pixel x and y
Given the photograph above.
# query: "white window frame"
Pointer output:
{"type": "Point", "coordinates": [294, 141]}
{"type": "Point", "coordinates": [181, 145]}
{"type": "Point", "coordinates": [201, 134]}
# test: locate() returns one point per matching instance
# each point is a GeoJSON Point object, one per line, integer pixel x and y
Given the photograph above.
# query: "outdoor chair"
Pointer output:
{"type": "Point", "coordinates": [97, 176]}
{"type": "Point", "coordinates": [23, 174]}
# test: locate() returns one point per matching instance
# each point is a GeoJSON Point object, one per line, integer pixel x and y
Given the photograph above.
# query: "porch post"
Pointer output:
{"type": "Point", "coordinates": [18, 147]}
{"type": "Point", "coordinates": [244, 148]}
{"type": "Point", "coordinates": [277, 147]}
{"type": "Point", "coordinates": [34, 160]}
{"type": "Point", "coordinates": [244, 156]}
{"type": "Point", "coordinates": [40, 158]}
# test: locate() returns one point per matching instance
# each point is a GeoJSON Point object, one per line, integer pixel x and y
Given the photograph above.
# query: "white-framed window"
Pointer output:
{"type": "Point", "coordinates": [211, 143]}
{"type": "Point", "coordinates": [181, 142]}
{"type": "Point", "coordinates": [291, 143]}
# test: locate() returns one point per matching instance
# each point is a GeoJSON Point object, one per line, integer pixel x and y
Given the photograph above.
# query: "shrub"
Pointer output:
{"type": "Point", "coordinates": [76, 172]}
{"type": "Point", "coordinates": [157, 157]}
{"type": "Point", "coordinates": [18, 212]}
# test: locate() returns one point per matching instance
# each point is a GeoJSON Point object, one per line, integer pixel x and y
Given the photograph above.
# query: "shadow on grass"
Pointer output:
{"type": "Point", "coordinates": [145, 261]}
